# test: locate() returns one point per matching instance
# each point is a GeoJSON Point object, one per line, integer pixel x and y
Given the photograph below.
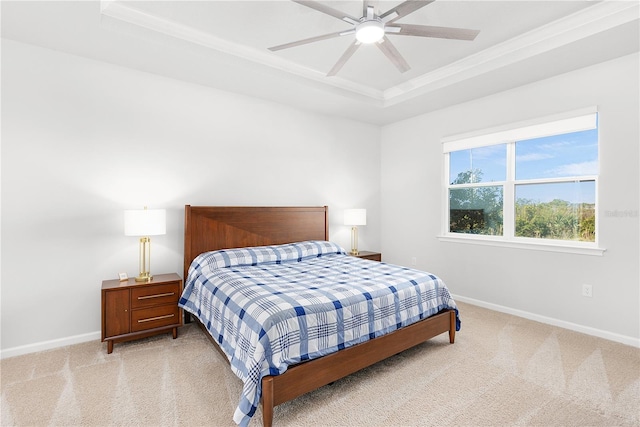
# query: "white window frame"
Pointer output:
{"type": "Point", "coordinates": [567, 122]}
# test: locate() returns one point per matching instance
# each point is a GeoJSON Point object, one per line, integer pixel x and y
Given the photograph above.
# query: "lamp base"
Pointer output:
{"type": "Point", "coordinates": [144, 277]}
{"type": "Point", "coordinates": [145, 260]}
{"type": "Point", "coordinates": [354, 241]}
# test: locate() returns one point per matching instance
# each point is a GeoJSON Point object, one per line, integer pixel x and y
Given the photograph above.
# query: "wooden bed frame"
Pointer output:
{"type": "Point", "coordinates": [210, 228]}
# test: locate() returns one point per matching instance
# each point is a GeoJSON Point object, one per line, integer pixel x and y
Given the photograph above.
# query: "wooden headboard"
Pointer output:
{"type": "Point", "coordinates": [209, 228]}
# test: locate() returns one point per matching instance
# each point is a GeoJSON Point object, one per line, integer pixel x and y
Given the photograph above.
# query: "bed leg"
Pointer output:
{"type": "Point", "coordinates": [452, 326]}
{"type": "Point", "coordinates": [267, 401]}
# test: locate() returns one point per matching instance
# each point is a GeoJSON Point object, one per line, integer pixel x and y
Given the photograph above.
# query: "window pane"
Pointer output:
{"type": "Point", "coordinates": [485, 164]}
{"type": "Point", "coordinates": [562, 211]}
{"type": "Point", "coordinates": [476, 210]}
{"type": "Point", "coordinates": [570, 154]}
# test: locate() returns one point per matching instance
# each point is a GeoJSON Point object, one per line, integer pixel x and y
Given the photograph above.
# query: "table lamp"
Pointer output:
{"type": "Point", "coordinates": [355, 217]}
{"type": "Point", "coordinates": [144, 223]}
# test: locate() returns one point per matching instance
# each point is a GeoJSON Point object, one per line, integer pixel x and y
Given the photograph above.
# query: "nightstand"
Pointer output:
{"type": "Point", "coordinates": [374, 256]}
{"type": "Point", "coordinates": [132, 310]}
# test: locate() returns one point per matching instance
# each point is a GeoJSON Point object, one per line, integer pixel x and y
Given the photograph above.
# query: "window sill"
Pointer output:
{"type": "Point", "coordinates": [548, 246]}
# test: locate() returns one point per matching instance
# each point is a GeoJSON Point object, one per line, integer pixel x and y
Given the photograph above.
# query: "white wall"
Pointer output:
{"type": "Point", "coordinates": [542, 284]}
{"type": "Point", "coordinates": [83, 140]}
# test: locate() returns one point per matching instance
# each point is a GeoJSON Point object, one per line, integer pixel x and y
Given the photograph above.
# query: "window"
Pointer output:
{"type": "Point", "coordinates": [476, 190]}
{"type": "Point", "coordinates": [529, 183]}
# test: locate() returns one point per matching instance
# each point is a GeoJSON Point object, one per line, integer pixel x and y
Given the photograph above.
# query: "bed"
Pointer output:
{"type": "Point", "coordinates": [267, 241]}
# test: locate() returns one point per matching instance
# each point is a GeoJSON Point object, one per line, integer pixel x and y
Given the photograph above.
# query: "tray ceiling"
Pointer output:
{"type": "Point", "coordinates": [224, 44]}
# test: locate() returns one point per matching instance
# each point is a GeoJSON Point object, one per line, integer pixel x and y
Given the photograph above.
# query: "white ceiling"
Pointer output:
{"type": "Point", "coordinates": [224, 44]}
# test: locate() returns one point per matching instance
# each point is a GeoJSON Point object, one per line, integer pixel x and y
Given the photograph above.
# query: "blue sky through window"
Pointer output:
{"type": "Point", "coordinates": [571, 154]}
{"type": "Point", "coordinates": [572, 192]}
{"type": "Point", "coordinates": [568, 155]}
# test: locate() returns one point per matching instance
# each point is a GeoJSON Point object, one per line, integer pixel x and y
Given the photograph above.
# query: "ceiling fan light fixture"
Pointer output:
{"type": "Point", "coordinates": [370, 31]}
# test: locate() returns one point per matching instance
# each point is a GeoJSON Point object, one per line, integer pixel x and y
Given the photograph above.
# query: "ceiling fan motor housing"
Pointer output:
{"type": "Point", "coordinates": [370, 31]}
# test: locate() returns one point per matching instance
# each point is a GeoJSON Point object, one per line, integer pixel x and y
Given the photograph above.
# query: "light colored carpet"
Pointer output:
{"type": "Point", "coordinates": [502, 371]}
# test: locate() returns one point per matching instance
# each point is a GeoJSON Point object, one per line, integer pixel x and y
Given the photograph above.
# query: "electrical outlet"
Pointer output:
{"type": "Point", "coordinates": [587, 291]}
{"type": "Point", "coordinates": [413, 261]}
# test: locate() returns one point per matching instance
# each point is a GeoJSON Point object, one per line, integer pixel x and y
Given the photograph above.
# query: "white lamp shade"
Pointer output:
{"type": "Point", "coordinates": [145, 222]}
{"type": "Point", "coordinates": [355, 217]}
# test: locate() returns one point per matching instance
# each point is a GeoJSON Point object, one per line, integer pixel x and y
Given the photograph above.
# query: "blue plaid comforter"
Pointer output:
{"type": "Point", "coordinates": [273, 306]}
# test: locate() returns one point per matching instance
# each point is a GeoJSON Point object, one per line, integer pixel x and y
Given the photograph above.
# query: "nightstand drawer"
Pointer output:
{"type": "Point", "coordinates": [373, 256]}
{"type": "Point", "coordinates": [148, 296]}
{"type": "Point", "coordinates": [155, 317]}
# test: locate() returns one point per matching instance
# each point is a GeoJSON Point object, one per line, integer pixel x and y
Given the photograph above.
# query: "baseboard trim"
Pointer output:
{"type": "Point", "coordinates": [623, 339]}
{"type": "Point", "coordinates": [49, 345]}
{"type": "Point", "coordinates": [91, 336]}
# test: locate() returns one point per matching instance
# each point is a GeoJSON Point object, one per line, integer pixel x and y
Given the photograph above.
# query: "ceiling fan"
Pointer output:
{"type": "Point", "coordinates": [373, 28]}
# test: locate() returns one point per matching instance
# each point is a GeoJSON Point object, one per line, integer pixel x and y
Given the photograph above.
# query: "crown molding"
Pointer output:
{"type": "Point", "coordinates": [120, 11]}
{"type": "Point", "coordinates": [590, 21]}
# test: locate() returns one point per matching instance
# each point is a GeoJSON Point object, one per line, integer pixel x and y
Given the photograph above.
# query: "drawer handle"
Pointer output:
{"type": "Point", "coordinates": [168, 294]}
{"type": "Point", "coordinates": [150, 319]}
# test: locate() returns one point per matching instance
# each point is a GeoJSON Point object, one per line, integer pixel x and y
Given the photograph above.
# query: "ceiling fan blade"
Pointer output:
{"type": "Point", "coordinates": [306, 41]}
{"type": "Point", "coordinates": [436, 32]}
{"type": "Point", "coordinates": [328, 10]}
{"type": "Point", "coordinates": [344, 58]}
{"type": "Point", "coordinates": [403, 9]}
{"type": "Point", "coordinates": [392, 53]}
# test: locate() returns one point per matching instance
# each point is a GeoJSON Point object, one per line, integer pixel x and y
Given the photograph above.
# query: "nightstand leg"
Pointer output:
{"type": "Point", "coordinates": [175, 333]}
{"type": "Point", "coordinates": [109, 346]}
